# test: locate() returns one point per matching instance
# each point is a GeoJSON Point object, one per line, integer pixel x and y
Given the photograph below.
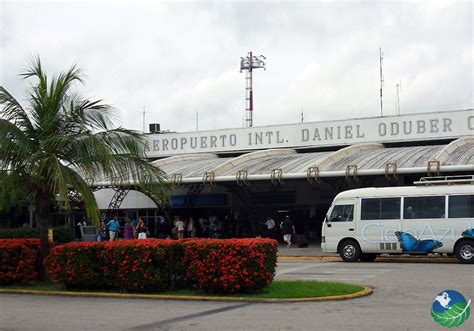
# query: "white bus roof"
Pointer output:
{"type": "Point", "coordinates": [406, 191]}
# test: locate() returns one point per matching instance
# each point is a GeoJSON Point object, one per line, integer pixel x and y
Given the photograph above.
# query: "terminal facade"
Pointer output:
{"type": "Point", "coordinates": [247, 174]}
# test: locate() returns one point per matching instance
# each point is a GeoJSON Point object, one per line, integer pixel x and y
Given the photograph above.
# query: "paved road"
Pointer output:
{"type": "Point", "coordinates": [401, 301]}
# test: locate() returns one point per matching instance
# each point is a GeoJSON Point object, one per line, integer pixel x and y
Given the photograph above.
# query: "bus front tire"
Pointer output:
{"type": "Point", "coordinates": [350, 251]}
{"type": "Point", "coordinates": [464, 251]}
{"type": "Point", "coordinates": [368, 257]}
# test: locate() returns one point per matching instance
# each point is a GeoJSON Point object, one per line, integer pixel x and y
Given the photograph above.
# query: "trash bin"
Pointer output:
{"type": "Point", "coordinates": [88, 233]}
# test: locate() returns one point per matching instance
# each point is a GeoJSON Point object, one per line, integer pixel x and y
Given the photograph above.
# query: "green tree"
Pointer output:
{"type": "Point", "coordinates": [59, 140]}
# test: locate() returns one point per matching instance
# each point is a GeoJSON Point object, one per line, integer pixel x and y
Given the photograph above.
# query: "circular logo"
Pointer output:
{"type": "Point", "coordinates": [450, 309]}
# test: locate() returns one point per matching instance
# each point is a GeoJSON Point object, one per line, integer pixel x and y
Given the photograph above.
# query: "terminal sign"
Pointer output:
{"type": "Point", "coordinates": [428, 126]}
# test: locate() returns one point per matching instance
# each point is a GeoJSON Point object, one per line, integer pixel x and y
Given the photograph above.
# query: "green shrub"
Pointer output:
{"type": "Point", "coordinates": [61, 234]}
{"type": "Point", "coordinates": [153, 265]}
{"type": "Point", "coordinates": [126, 265]}
{"type": "Point", "coordinates": [230, 265]}
{"type": "Point", "coordinates": [18, 260]}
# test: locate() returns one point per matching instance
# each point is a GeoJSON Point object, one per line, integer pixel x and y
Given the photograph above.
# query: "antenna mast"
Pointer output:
{"type": "Point", "coordinates": [399, 87]}
{"type": "Point", "coordinates": [197, 120]}
{"type": "Point", "coordinates": [143, 112]}
{"type": "Point", "coordinates": [249, 63]}
{"type": "Point", "coordinates": [381, 80]}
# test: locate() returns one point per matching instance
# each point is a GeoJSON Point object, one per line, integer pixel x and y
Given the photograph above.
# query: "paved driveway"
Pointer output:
{"type": "Point", "coordinates": [402, 301]}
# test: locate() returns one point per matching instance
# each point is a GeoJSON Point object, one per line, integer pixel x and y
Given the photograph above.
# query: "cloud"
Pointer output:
{"type": "Point", "coordinates": [176, 58]}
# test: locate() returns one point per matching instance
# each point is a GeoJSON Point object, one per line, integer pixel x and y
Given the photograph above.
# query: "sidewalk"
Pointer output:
{"type": "Point", "coordinates": [314, 251]}
{"type": "Point", "coordinates": [311, 250]}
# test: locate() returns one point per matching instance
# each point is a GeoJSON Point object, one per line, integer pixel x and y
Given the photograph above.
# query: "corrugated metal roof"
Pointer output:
{"type": "Point", "coordinates": [462, 155]}
{"type": "Point", "coordinates": [404, 157]}
{"type": "Point", "coordinates": [288, 163]}
{"type": "Point", "coordinates": [366, 157]}
{"type": "Point", "coordinates": [192, 168]}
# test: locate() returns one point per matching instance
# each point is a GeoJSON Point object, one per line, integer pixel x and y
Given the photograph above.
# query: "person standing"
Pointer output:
{"type": "Point", "coordinates": [103, 231]}
{"type": "Point", "coordinates": [179, 225]}
{"type": "Point", "coordinates": [287, 228]}
{"type": "Point", "coordinates": [128, 231]}
{"type": "Point", "coordinates": [114, 227]}
{"type": "Point", "coordinates": [134, 225]}
{"type": "Point", "coordinates": [191, 228]}
{"type": "Point", "coordinates": [142, 229]}
{"type": "Point", "coordinates": [270, 223]}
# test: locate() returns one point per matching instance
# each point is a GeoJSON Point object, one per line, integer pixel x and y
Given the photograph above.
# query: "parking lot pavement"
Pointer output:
{"type": "Point", "coordinates": [402, 299]}
{"type": "Point", "coordinates": [337, 271]}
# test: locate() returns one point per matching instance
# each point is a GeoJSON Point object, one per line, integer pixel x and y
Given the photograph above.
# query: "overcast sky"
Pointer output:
{"type": "Point", "coordinates": [176, 58]}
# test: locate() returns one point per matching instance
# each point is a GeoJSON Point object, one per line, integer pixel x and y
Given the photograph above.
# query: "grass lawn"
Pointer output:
{"type": "Point", "coordinates": [279, 289]}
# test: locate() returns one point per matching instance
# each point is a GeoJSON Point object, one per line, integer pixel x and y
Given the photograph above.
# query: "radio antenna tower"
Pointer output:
{"type": "Point", "coordinates": [399, 88]}
{"type": "Point", "coordinates": [249, 63]}
{"type": "Point", "coordinates": [143, 112]}
{"type": "Point", "coordinates": [381, 81]}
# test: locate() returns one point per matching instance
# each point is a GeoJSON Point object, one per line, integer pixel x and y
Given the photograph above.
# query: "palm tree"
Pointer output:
{"type": "Point", "coordinates": [59, 139]}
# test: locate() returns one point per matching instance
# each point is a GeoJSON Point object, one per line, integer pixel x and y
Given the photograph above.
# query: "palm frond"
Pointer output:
{"type": "Point", "coordinates": [13, 112]}
{"type": "Point", "coordinates": [61, 138]}
{"type": "Point", "coordinates": [15, 146]}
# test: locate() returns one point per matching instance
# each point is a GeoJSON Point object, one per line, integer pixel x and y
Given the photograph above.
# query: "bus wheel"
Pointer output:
{"type": "Point", "coordinates": [465, 251]}
{"type": "Point", "coordinates": [349, 251]}
{"type": "Point", "coordinates": [368, 257]}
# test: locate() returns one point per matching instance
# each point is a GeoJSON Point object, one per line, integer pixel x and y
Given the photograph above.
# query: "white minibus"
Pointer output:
{"type": "Point", "coordinates": [435, 216]}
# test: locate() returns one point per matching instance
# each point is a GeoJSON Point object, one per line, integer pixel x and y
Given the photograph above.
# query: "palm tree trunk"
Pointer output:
{"type": "Point", "coordinates": [42, 206]}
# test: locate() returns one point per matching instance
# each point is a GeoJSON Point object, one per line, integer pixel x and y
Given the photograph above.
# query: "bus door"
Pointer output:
{"type": "Point", "coordinates": [339, 223]}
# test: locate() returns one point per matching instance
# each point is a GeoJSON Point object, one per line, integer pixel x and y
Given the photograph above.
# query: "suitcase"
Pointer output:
{"type": "Point", "coordinates": [300, 240]}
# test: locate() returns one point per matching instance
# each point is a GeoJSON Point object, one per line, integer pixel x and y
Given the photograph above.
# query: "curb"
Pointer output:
{"type": "Point", "coordinates": [366, 291]}
{"type": "Point", "coordinates": [310, 258]}
{"type": "Point", "coordinates": [385, 259]}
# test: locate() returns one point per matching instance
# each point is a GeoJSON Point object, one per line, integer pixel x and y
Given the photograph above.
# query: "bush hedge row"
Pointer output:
{"type": "Point", "coordinates": [61, 234]}
{"type": "Point", "coordinates": [19, 260]}
{"type": "Point", "coordinates": [230, 266]}
{"type": "Point", "coordinates": [153, 265]}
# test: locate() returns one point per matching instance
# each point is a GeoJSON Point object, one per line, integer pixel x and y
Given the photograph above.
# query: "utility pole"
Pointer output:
{"type": "Point", "coordinates": [381, 81]}
{"type": "Point", "coordinates": [249, 63]}
{"type": "Point", "coordinates": [302, 116]}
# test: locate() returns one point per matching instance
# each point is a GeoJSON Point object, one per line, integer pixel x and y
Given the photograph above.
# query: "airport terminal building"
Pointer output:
{"type": "Point", "coordinates": [297, 169]}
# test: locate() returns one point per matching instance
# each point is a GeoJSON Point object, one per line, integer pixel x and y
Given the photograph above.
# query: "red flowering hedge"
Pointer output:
{"type": "Point", "coordinates": [230, 265]}
{"type": "Point", "coordinates": [19, 260]}
{"type": "Point", "coordinates": [214, 266]}
{"type": "Point", "coordinates": [127, 265]}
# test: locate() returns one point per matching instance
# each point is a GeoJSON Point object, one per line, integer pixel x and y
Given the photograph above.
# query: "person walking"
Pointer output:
{"type": "Point", "coordinates": [142, 229]}
{"type": "Point", "coordinates": [128, 231]}
{"type": "Point", "coordinates": [270, 223]}
{"type": "Point", "coordinates": [114, 227]}
{"type": "Point", "coordinates": [287, 228]}
{"type": "Point", "coordinates": [179, 225]}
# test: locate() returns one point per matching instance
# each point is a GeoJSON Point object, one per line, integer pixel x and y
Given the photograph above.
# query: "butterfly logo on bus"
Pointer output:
{"type": "Point", "coordinates": [408, 243]}
{"type": "Point", "coordinates": [468, 233]}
